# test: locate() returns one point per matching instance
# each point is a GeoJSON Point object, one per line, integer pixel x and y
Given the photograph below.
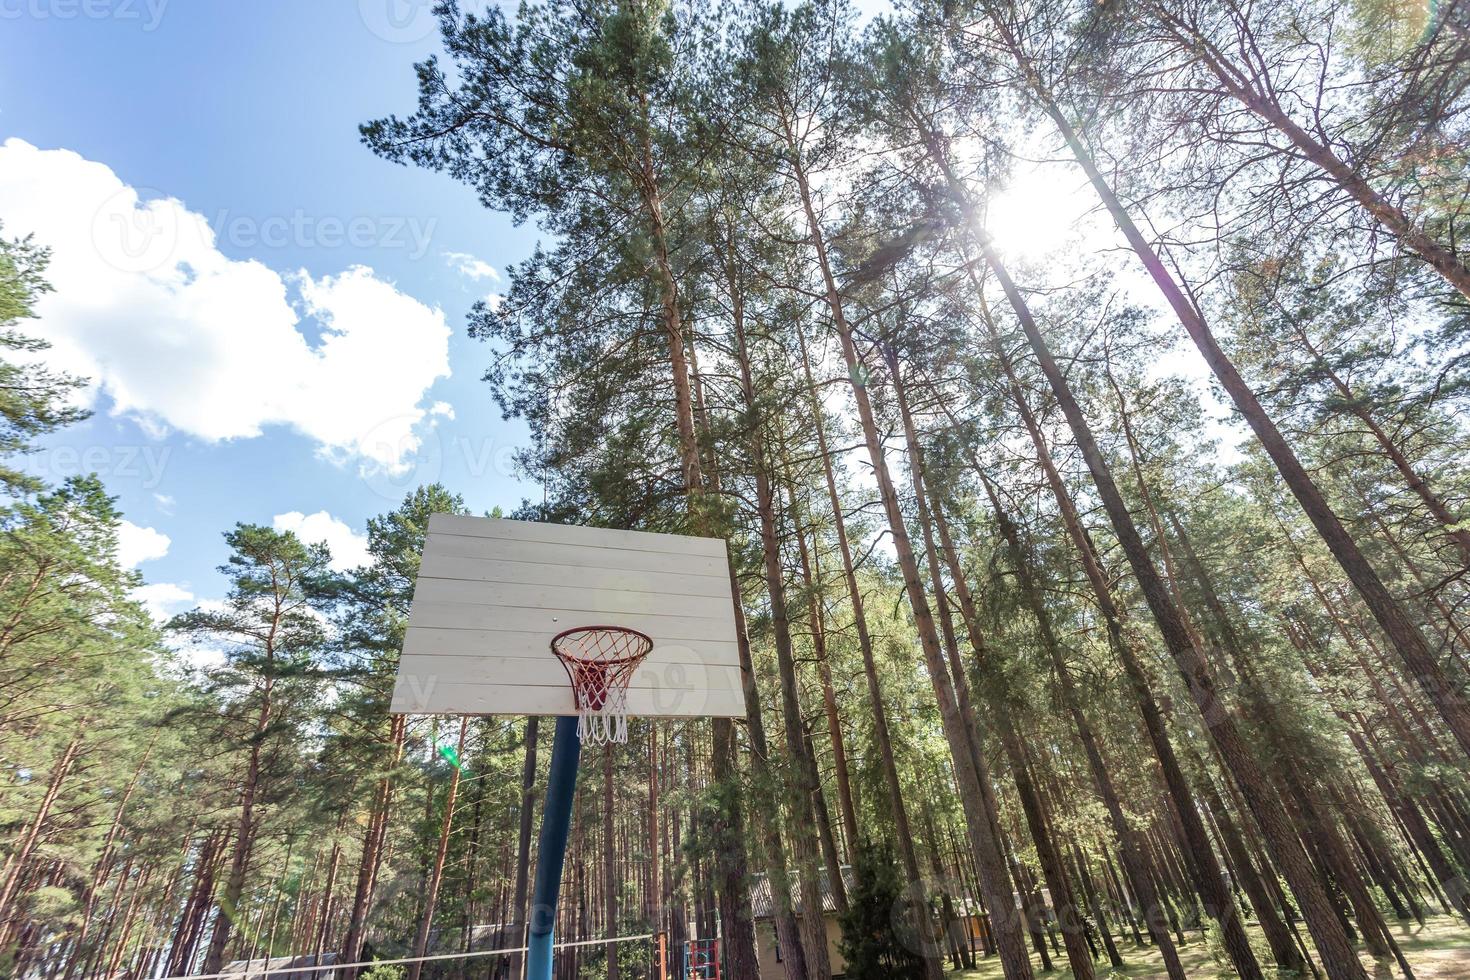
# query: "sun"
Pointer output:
{"type": "Point", "coordinates": [1043, 208]}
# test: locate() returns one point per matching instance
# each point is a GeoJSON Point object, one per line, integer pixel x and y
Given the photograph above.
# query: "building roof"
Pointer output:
{"type": "Point", "coordinates": [762, 906]}
{"type": "Point", "coordinates": [250, 969]}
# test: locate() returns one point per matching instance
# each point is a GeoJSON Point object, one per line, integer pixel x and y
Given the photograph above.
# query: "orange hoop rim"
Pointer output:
{"type": "Point", "coordinates": [586, 696]}
{"type": "Point", "coordinates": [613, 662]}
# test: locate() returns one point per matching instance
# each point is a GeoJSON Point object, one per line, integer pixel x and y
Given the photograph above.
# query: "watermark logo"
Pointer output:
{"type": "Point", "coordinates": [398, 21]}
{"type": "Point", "coordinates": [419, 455]}
{"type": "Point", "coordinates": [417, 689]}
{"type": "Point", "coordinates": [400, 890]}
{"type": "Point", "coordinates": [134, 235]}
{"type": "Point", "coordinates": [423, 454]}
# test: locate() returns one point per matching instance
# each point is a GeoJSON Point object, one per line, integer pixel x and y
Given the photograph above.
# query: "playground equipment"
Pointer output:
{"type": "Point", "coordinates": [592, 625]}
{"type": "Point", "coordinates": [701, 960]}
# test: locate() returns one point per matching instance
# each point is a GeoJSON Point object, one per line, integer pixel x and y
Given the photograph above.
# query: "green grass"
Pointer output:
{"type": "Point", "coordinates": [1438, 951]}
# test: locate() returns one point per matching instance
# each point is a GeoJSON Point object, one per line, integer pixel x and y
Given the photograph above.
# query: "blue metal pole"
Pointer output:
{"type": "Point", "coordinates": [556, 823]}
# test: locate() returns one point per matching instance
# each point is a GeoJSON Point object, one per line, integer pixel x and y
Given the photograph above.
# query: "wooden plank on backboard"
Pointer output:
{"type": "Point", "coordinates": [429, 641]}
{"type": "Point", "coordinates": [414, 695]}
{"type": "Point", "coordinates": [541, 553]}
{"type": "Point", "coordinates": [669, 578]}
{"type": "Point", "coordinates": [570, 599]}
{"type": "Point", "coordinates": [459, 615]}
{"type": "Point", "coordinates": [547, 671]}
{"type": "Point", "coordinates": [576, 535]}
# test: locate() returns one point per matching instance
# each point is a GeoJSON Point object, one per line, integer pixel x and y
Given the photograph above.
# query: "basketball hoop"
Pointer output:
{"type": "Point", "coordinates": [600, 661]}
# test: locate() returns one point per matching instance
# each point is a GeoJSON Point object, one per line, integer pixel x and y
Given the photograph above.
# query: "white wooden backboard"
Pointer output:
{"type": "Point", "coordinates": [492, 593]}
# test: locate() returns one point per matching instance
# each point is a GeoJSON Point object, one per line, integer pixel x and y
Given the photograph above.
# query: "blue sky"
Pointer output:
{"type": "Point", "coordinates": [274, 318]}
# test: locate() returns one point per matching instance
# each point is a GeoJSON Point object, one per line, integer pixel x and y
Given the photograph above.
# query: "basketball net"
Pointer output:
{"type": "Point", "coordinates": [600, 661]}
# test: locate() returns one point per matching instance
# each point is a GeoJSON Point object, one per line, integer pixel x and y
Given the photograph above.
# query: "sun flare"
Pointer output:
{"type": "Point", "coordinates": [1043, 208]}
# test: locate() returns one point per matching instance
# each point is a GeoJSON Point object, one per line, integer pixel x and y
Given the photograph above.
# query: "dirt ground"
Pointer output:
{"type": "Point", "coordinates": [1440, 950]}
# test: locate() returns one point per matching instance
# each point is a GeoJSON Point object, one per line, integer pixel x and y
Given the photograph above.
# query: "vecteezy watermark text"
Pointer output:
{"type": "Point", "coordinates": [148, 12]}
{"type": "Point", "coordinates": [302, 230]}
{"type": "Point", "coordinates": [138, 230]}
{"type": "Point", "coordinates": [145, 463]}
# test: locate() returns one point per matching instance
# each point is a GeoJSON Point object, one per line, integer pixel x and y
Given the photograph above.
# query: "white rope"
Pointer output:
{"type": "Point", "coordinates": [600, 726]}
{"type": "Point", "coordinates": [310, 969]}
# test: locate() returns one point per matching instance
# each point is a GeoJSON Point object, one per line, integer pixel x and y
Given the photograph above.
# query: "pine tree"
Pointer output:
{"type": "Point", "coordinates": [33, 399]}
{"type": "Point", "coordinates": [272, 633]}
{"type": "Point", "coordinates": [878, 936]}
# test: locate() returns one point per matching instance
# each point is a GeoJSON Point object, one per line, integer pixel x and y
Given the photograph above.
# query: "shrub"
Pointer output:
{"type": "Point", "coordinates": [878, 940]}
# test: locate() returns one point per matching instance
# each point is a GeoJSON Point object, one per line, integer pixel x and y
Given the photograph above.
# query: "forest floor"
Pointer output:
{"type": "Point", "coordinates": [1438, 951]}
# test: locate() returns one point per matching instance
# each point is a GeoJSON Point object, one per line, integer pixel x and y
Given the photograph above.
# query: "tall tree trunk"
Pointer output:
{"type": "Point", "coordinates": [1099, 909]}
{"type": "Point", "coordinates": [994, 878]}
{"type": "Point", "coordinates": [826, 835]}
{"type": "Point", "coordinates": [110, 920]}
{"type": "Point", "coordinates": [802, 833]}
{"type": "Point", "coordinates": [20, 855]}
{"type": "Point", "coordinates": [149, 951]}
{"type": "Point", "coordinates": [953, 928]}
{"type": "Point", "coordinates": [788, 930]}
{"type": "Point", "coordinates": [812, 582]}
{"type": "Point", "coordinates": [1101, 771]}
{"type": "Point", "coordinates": [229, 903]}
{"type": "Point", "coordinates": [1202, 858]}
{"type": "Point", "coordinates": [196, 910]}
{"type": "Point", "coordinates": [1263, 713]}
{"type": "Point", "coordinates": [1441, 870]}
{"type": "Point", "coordinates": [733, 888]}
{"type": "Point", "coordinates": [654, 893]}
{"type": "Point", "coordinates": [1337, 952]}
{"type": "Point", "coordinates": [436, 874]}
{"type": "Point", "coordinates": [270, 930]}
{"type": "Point", "coordinates": [468, 907]}
{"type": "Point", "coordinates": [119, 948]}
{"type": "Point", "coordinates": [104, 859]}
{"type": "Point", "coordinates": [1338, 859]}
{"type": "Point", "coordinates": [933, 968]}
{"type": "Point", "coordinates": [927, 507]}
{"type": "Point", "coordinates": [372, 848]}
{"type": "Point", "coordinates": [1279, 935]}
{"type": "Point", "coordinates": [523, 843]}
{"type": "Point", "coordinates": [1418, 659]}
{"type": "Point", "coordinates": [324, 915]}
{"type": "Point", "coordinates": [788, 933]}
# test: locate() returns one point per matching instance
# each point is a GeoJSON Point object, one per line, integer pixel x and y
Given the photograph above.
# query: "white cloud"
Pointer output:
{"type": "Point", "coordinates": [136, 545]}
{"type": "Point", "coordinates": [471, 267]}
{"type": "Point", "coordinates": [163, 599]}
{"type": "Point", "coordinates": [200, 658]}
{"type": "Point", "coordinates": [182, 337]}
{"type": "Point", "coordinates": [494, 301]}
{"type": "Point", "coordinates": [349, 549]}
{"type": "Point", "coordinates": [165, 502]}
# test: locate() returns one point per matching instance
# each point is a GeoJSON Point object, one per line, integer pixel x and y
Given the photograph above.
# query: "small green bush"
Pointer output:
{"type": "Point", "coordinates": [878, 940]}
